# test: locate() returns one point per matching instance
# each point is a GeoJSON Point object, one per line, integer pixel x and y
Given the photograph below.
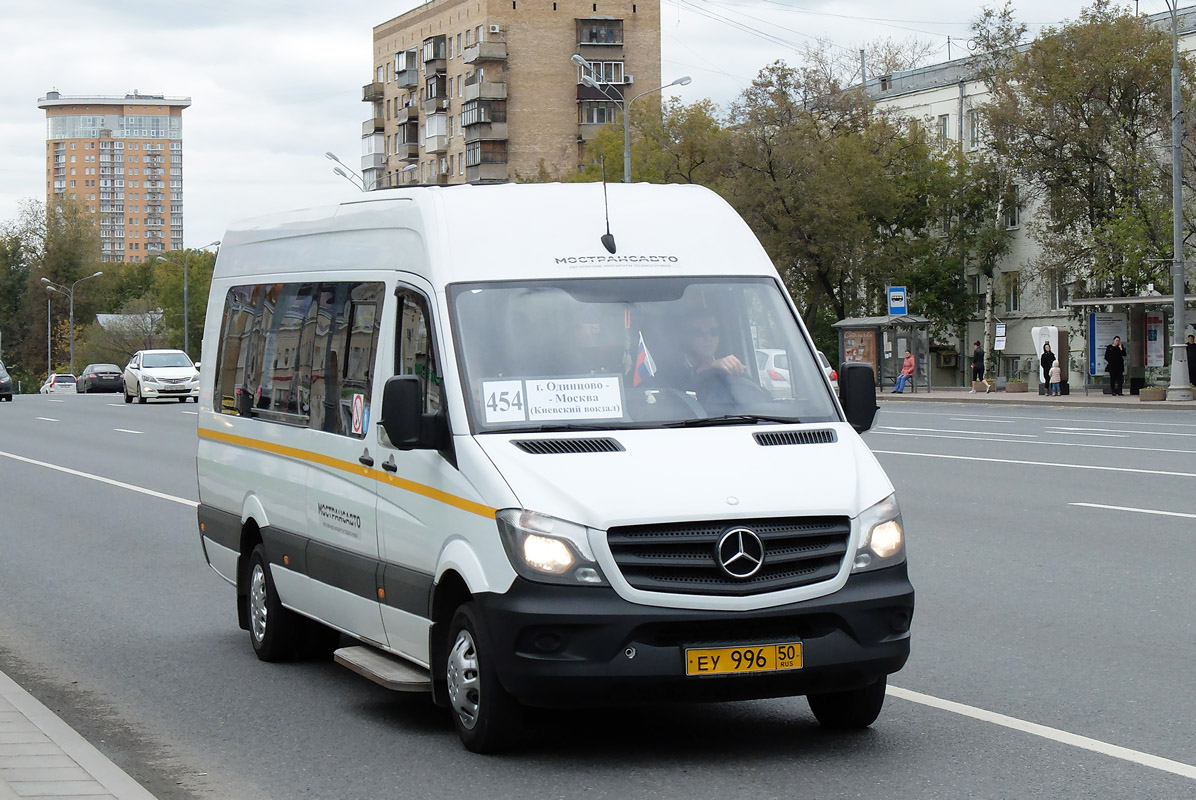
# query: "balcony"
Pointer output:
{"type": "Point", "coordinates": [407, 151]}
{"type": "Point", "coordinates": [407, 79]}
{"type": "Point", "coordinates": [436, 144]}
{"type": "Point", "coordinates": [485, 90]}
{"type": "Point", "coordinates": [487, 173]}
{"type": "Point", "coordinates": [605, 91]}
{"type": "Point", "coordinates": [407, 114]}
{"type": "Point", "coordinates": [486, 131]}
{"type": "Point", "coordinates": [486, 51]}
{"type": "Point", "coordinates": [374, 125]}
{"type": "Point", "coordinates": [371, 92]}
{"type": "Point", "coordinates": [373, 161]}
{"type": "Point", "coordinates": [434, 104]}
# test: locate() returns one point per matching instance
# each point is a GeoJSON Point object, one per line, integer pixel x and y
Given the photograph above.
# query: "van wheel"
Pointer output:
{"type": "Point", "coordinates": [487, 719]}
{"type": "Point", "coordinates": [850, 710]}
{"type": "Point", "coordinates": [273, 630]}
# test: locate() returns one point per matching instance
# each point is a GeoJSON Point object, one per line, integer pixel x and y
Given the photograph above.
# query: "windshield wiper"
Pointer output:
{"type": "Point", "coordinates": [553, 429]}
{"type": "Point", "coordinates": [730, 419]}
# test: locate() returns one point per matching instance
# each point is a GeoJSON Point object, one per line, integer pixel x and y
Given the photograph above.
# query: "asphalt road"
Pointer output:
{"type": "Point", "coordinates": [1052, 551]}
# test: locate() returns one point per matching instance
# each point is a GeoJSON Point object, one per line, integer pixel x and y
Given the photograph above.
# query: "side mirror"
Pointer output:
{"type": "Point", "coordinates": [857, 393]}
{"type": "Point", "coordinates": [402, 411]}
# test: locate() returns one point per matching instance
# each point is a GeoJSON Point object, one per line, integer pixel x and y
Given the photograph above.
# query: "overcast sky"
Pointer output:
{"type": "Point", "coordinates": [274, 84]}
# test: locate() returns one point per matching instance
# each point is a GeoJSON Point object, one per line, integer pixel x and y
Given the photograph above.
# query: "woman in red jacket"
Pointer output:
{"type": "Point", "coordinates": [907, 372]}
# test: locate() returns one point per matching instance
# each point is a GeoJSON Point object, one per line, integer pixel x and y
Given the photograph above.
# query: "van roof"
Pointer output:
{"type": "Point", "coordinates": [503, 231]}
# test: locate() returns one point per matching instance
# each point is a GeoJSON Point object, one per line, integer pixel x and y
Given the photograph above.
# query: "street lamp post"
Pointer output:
{"type": "Point", "coordinates": [186, 298]}
{"type": "Point", "coordinates": [340, 170]}
{"type": "Point", "coordinates": [51, 286]}
{"type": "Point", "coordinates": [588, 80]}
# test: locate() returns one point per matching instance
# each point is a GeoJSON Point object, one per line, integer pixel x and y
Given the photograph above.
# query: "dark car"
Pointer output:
{"type": "Point", "coordinates": [100, 378]}
{"type": "Point", "coordinates": [5, 384]}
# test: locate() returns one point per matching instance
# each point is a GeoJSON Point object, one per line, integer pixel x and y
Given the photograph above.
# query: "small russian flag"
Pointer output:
{"type": "Point", "coordinates": [645, 367]}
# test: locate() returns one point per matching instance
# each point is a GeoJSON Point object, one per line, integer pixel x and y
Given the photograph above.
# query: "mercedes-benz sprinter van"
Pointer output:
{"type": "Point", "coordinates": [516, 443]}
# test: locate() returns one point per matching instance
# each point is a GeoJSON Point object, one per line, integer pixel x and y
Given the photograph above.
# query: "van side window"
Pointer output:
{"type": "Point", "coordinates": [415, 351]}
{"type": "Point", "coordinates": [300, 353]}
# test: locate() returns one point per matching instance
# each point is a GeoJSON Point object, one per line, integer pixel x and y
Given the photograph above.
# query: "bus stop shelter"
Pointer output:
{"type": "Point", "coordinates": [881, 343]}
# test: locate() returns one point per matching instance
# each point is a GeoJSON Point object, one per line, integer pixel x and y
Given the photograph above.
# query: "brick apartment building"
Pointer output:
{"type": "Point", "coordinates": [484, 91]}
{"type": "Point", "coordinates": [121, 158]}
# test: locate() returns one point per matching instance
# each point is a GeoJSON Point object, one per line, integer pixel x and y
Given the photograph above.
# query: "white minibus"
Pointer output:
{"type": "Point", "coordinates": [512, 446]}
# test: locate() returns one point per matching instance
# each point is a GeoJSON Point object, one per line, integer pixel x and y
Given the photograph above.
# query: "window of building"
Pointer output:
{"type": "Point", "coordinates": [603, 71]}
{"type": "Point", "coordinates": [477, 34]}
{"type": "Point", "coordinates": [486, 152]}
{"type": "Point", "coordinates": [596, 112]}
{"type": "Point", "coordinates": [380, 74]}
{"type": "Point", "coordinates": [600, 31]}
{"type": "Point", "coordinates": [1013, 291]}
{"type": "Point", "coordinates": [942, 129]}
{"type": "Point", "coordinates": [978, 287]}
{"type": "Point", "coordinates": [1060, 291]}
{"type": "Point", "coordinates": [974, 130]}
{"type": "Point", "coordinates": [1010, 208]}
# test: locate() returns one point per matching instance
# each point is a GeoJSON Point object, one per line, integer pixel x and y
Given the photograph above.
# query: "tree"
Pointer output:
{"type": "Point", "coordinates": [1080, 115]}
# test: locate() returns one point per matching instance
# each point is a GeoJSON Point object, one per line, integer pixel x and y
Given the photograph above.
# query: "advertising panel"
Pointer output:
{"type": "Point", "coordinates": [1101, 330]}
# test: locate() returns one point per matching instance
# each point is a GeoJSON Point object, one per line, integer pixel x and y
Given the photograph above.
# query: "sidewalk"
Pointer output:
{"type": "Point", "coordinates": [42, 757]}
{"type": "Point", "coordinates": [1032, 398]}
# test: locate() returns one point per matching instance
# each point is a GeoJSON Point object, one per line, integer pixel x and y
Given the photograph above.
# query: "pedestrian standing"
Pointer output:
{"type": "Point", "coordinates": [978, 369]}
{"type": "Point", "coordinates": [1047, 359]}
{"type": "Point", "coordinates": [907, 372]}
{"type": "Point", "coordinates": [1115, 365]}
{"type": "Point", "coordinates": [1056, 378]}
{"type": "Point", "coordinates": [1191, 359]}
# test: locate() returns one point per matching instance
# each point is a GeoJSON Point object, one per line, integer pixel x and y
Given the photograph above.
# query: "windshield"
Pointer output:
{"type": "Point", "coordinates": [166, 360]}
{"type": "Point", "coordinates": [633, 352]}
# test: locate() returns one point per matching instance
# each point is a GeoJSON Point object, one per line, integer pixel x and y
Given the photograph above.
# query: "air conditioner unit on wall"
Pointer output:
{"type": "Point", "coordinates": [495, 29]}
{"type": "Point", "coordinates": [628, 79]}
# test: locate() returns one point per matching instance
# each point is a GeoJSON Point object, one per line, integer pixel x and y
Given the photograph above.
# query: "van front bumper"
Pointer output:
{"type": "Point", "coordinates": [564, 646]}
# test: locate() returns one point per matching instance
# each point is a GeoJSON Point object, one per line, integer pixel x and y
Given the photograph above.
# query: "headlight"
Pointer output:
{"type": "Point", "coordinates": [148, 378]}
{"type": "Point", "coordinates": [883, 541]}
{"type": "Point", "coordinates": [548, 550]}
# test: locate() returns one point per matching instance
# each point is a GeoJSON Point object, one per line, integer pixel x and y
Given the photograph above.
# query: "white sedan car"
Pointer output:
{"type": "Point", "coordinates": [162, 374]}
{"type": "Point", "coordinates": [58, 383]}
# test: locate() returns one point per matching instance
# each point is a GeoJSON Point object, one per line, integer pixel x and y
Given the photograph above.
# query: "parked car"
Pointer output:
{"type": "Point", "coordinates": [161, 374]}
{"type": "Point", "coordinates": [773, 366]}
{"type": "Point", "coordinates": [57, 383]}
{"type": "Point", "coordinates": [831, 374]}
{"type": "Point", "coordinates": [100, 378]}
{"type": "Point", "coordinates": [5, 384]}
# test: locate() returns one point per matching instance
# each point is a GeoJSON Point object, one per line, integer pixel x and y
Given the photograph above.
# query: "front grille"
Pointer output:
{"type": "Point", "coordinates": [796, 437]}
{"type": "Point", "coordinates": [681, 557]}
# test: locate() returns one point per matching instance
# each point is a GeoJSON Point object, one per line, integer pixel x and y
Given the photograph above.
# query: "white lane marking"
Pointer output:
{"type": "Point", "coordinates": [1136, 510]}
{"type": "Point", "coordinates": [1038, 441]}
{"type": "Point", "coordinates": [1116, 430]}
{"type": "Point", "coordinates": [982, 419]}
{"type": "Point", "coordinates": [191, 413]}
{"type": "Point", "coordinates": [126, 430]}
{"type": "Point", "coordinates": [1054, 734]}
{"type": "Point", "coordinates": [1040, 463]}
{"type": "Point", "coordinates": [47, 419]}
{"type": "Point", "coordinates": [948, 430]}
{"type": "Point", "coordinates": [1087, 420]}
{"type": "Point", "coordinates": [1104, 435]}
{"type": "Point", "coordinates": [115, 405]}
{"type": "Point", "coordinates": [101, 479]}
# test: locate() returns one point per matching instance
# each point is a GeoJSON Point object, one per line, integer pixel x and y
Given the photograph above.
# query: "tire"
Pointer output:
{"type": "Point", "coordinates": [274, 631]}
{"type": "Point", "coordinates": [854, 709]}
{"type": "Point", "coordinates": [140, 397]}
{"type": "Point", "coordinates": [487, 719]}
{"type": "Point", "coordinates": [128, 397]}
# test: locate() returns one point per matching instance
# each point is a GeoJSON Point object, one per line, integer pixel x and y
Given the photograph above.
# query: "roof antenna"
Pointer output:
{"type": "Point", "coordinates": [608, 241]}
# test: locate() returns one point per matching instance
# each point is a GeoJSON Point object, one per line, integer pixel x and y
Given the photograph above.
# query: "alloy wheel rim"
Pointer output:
{"type": "Point", "coordinates": [463, 679]}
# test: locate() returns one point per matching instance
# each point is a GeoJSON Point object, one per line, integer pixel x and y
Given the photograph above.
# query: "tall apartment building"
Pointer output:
{"type": "Point", "coordinates": [484, 91]}
{"type": "Point", "coordinates": [120, 158]}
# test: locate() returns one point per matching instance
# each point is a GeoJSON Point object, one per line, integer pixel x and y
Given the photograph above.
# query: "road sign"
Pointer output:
{"type": "Point", "coordinates": [999, 342]}
{"type": "Point", "coordinates": [897, 301]}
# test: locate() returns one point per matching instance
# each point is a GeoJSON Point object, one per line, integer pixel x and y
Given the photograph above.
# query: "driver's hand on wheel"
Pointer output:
{"type": "Point", "coordinates": [728, 364]}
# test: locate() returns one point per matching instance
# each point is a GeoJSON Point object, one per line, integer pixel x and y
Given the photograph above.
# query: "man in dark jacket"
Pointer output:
{"type": "Point", "coordinates": [1115, 365]}
{"type": "Point", "coordinates": [1046, 362]}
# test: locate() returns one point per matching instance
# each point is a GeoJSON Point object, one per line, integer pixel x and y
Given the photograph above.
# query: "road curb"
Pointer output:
{"type": "Point", "coordinates": [65, 741]}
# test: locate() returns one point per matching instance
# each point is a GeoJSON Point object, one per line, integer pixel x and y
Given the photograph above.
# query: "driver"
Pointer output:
{"type": "Point", "coordinates": [701, 349]}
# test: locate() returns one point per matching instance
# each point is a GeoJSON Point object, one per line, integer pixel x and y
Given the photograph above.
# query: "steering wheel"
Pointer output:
{"type": "Point", "coordinates": [720, 392]}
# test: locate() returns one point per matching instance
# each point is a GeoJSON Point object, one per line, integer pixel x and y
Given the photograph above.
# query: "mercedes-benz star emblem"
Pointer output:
{"type": "Point", "coordinates": [740, 553]}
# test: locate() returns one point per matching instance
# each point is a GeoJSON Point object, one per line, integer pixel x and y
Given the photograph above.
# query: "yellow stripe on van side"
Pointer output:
{"type": "Point", "coordinates": [359, 470]}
